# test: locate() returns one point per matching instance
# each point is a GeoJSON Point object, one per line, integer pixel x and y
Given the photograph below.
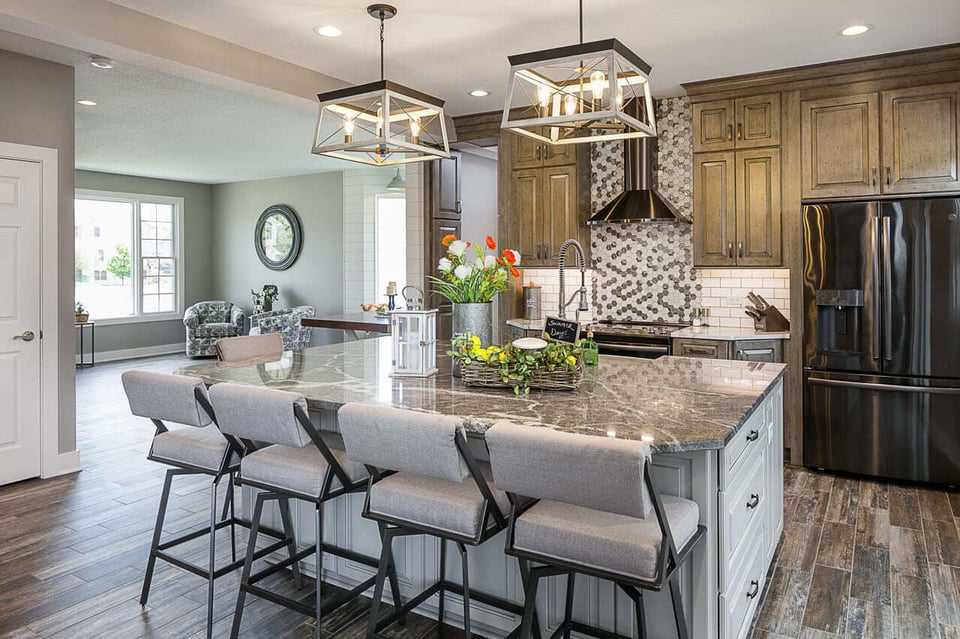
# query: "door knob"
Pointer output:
{"type": "Point", "coordinates": [27, 336]}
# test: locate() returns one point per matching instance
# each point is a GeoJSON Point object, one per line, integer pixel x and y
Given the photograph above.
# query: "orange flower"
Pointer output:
{"type": "Point", "coordinates": [493, 277]}
{"type": "Point", "coordinates": [509, 256]}
{"type": "Point", "coordinates": [468, 244]}
{"type": "Point", "coordinates": [448, 240]}
{"type": "Point", "coordinates": [501, 262]}
{"type": "Point", "coordinates": [514, 271]}
{"type": "Point", "coordinates": [491, 244]}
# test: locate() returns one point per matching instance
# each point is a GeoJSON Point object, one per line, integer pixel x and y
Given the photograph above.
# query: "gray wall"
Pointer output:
{"type": "Point", "coordinates": [36, 108]}
{"type": "Point", "coordinates": [316, 278]}
{"type": "Point", "coordinates": [197, 258]}
{"type": "Point", "coordinates": [478, 197]}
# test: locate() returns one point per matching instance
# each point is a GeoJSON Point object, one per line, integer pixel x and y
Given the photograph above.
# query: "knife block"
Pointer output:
{"type": "Point", "coordinates": [772, 321]}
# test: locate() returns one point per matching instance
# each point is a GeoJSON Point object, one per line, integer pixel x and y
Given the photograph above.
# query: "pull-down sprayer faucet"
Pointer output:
{"type": "Point", "coordinates": [564, 302]}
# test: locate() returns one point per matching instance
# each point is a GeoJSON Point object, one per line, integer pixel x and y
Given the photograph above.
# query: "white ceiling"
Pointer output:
{"type": "Point", "coordinates": [448, 48]}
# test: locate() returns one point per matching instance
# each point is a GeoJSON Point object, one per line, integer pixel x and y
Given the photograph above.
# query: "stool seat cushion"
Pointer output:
{"type": "Point", "coordinates": [201, 447]}
{"type": "Point", "coordinates": [298, 470]}
{"type": "Point", "coordinates": [435, 503]}
{"type": "Point", "coordinates": [596, 539]}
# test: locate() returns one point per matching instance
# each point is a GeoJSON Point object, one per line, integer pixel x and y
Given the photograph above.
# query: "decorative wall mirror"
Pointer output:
{"type": "Point", "coordinates": [278, 237]}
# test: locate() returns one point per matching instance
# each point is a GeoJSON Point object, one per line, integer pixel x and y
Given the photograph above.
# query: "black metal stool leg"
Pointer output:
{"type": "Point", "coordinates": [247, 565]}
{"type": "Point", "coordinates": [284, 506]}
{"type": "Point", "coordinates": [443, 577]}
{"type": "Point", "coordinates": [681, 619]}
{"type": "Point", "coordinates": [465, 566]}
{"type": "Point", "coordinates": [212, 565]}
{"type": "Point", "coordinates": [637, 596]}
{"type": "Point", "coordinates": [228, 510]}
{"type": "Point", "coordinates": [157, 530]}
{"type": "Point", "coordinates": [568, 608]}
{"type": "Point", "coordinates": [386, 554]}
{"type": "Point", "coordinates": [318, 558]}
{"type": "Point", "coordinates": [530, 583]}
{"type": "Point", "coordinates": [394, 582]}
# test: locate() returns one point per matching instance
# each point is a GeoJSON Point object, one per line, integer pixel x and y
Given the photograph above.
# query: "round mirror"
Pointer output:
{"type": "Point", "coordinates": [278, 237]}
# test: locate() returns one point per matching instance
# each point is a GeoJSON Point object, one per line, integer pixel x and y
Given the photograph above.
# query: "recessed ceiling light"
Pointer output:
{"type": "Point", "coordinates": [856, 29]}
{"type": "Point", "coordinates": [479, 93]}
{"type": "Point", "coordinates": [101, 62]}
{"type": "Point", "coordinates": [87, 102]}
{"type": "Point", "coordinates": [328, 31]}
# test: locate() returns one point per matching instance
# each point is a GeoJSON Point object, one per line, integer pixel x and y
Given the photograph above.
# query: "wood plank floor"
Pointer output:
{"type": "Point", "coordinates": [73, 549]}
{"type": "Point", "coordinates": [857, 559]}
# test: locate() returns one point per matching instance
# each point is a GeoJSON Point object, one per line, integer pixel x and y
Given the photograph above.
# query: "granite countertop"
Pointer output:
{"type": "Point", "coordinates": [674, 403]}
{"type": "Point", "coordinates": [726, 334]}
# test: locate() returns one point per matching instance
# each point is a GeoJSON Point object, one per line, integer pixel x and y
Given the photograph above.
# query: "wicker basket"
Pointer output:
{"type": "Point", "coordinates": [476, 373]}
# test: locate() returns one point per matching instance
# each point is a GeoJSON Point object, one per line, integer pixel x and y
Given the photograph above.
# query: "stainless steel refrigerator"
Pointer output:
{"type": "Point", "coordinates": [882, 338]}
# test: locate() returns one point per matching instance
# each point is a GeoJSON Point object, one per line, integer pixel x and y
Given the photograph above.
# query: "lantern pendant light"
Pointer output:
{"type": "Point", "coordinates": [381, 123]}
{"type": "Point", "coordinates": [587, 92]}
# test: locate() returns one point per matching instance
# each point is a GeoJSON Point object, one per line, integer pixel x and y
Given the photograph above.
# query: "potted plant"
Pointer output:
{"type": "Point", "coordinates": [82, 314]}
{"type": "Point", "coordinates": [263, 300]}
{"type": "Point", "coordinates": [471, 279]}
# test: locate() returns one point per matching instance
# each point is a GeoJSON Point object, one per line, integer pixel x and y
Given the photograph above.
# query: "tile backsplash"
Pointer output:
{"type": "Point", "coordinates": [724, 293]}
{"type": "Point", "coordinates": [548, 280]}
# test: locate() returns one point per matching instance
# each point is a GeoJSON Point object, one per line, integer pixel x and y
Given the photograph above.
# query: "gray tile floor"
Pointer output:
{"type": "Point", "coordinates": [862, 558]}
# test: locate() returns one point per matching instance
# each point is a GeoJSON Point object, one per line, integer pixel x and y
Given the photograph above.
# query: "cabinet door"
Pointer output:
{"type": "Point", "coordinates": [702, 348]}
{"type": "Point", "coordinates": [713, 126]}
{"type": "Point", "coordinates": [755, 350]}
{"type": "Point", "coordinates": [559, 154]}
{"type": "Point", "coordinates": [446, 187]}
{"type": "Point", "coordinates": [714, 214]}
{"type": "Point", "coordinates": [527, 152]}
{"type": "Point", "coordinates": [758, 207]}
{"type": "Point", "coordinates": [840, 146]}
{"type": "Point", "coordinates": [441, 228]}
{"type": "Point", "coordinates": [758, 121]}
{"type": "Point", "coordinates": [527, 209]}
{"type": "Point", "coordinates": [560, 214]}
{"type": "Point", "coordinates": [920, 139]}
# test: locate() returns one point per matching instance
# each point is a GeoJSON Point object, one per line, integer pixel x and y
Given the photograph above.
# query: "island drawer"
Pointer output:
{"type": "Point", "coordinates": [743, 509]}
{"type": "Point", "coordinates": [747, 440]}
{"type": "Point", "coordinates": [704, 348]}
{"type": "Point", "coordinates": [739, 601]}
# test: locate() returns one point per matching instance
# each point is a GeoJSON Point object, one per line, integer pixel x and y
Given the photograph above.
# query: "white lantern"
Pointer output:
{"type": "Point", "coordinates": [414, 343]}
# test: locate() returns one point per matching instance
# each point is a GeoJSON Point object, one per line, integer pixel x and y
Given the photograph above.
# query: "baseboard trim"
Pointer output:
{"type": "Point", "coordinates": [134, 353]}
{"type": "Point", "coordinates": [62, 464]}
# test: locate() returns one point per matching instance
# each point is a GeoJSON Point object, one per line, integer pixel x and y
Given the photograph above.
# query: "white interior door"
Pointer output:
{"type": "Point", "coordinates": [20, 454]}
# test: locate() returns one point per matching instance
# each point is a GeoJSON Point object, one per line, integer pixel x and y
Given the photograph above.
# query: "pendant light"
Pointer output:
{"type": "Point", "coordinates": [381, 123]}
{"type": "Point", "coordinates": [587, 92]}
{"type": "Point", "coordinates": [397, 183]}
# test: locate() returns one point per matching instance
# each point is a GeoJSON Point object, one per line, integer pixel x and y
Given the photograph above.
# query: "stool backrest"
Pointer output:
{"type": "Point", "coordinates": [594, 472]}
{"type": "Point", "coordinates": [259, 414]}
{"type": "Point", "coordinates": [403, 440]}
{"type": "Point", "coordinates": [234, 349]}
{"type": "Point", "coordinates": [167, 398]}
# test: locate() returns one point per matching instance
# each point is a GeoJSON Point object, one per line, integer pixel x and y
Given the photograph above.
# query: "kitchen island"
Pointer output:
{"type": "Point", "coordinates": [715, 428]}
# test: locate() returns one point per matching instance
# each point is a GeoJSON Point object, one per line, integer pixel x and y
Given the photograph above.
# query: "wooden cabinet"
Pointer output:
{"type": "Point", "coordinates": [544, 212]}
{"type": "Point", "coordinates": [737, 210]}
{"type": "Point", "coordinates": [895, 142]}
{"type": "Point", "coordinates": [746, 350]}
{"type": "Point", "coordinates": [743, 123]}
{"type": "Point", "coordinates": [528, 153]}
{"type": "Point", "coordinates": [446, 187]}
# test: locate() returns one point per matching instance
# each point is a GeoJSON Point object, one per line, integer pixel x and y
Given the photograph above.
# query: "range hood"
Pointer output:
{"type": "Point", "coordinates": [639, 202]}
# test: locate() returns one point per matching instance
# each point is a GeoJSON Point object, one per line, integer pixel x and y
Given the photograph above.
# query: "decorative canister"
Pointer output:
{"type": "Point", "coordinates": [531, 301]}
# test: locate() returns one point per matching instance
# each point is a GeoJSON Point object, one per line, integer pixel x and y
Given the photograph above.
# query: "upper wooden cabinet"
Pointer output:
{"type": "Point", "coordinates": [743, 123]}
{"type": "Point", "coordinates": [895, 142]}
{"type": "Point", "coordinates": [446, 188]}
{"type": "Point", "coordinates": [737, 210]}
{"type": "Point", "coordinates": [528, 153]}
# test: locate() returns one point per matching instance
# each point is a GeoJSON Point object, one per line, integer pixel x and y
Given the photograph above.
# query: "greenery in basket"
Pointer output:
{"type": "Point", "coordinates": [517, 367]}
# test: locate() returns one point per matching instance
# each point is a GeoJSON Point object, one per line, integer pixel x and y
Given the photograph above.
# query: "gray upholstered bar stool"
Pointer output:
{"type": "Point", "coordinates": [601, 516]}
{"type": "Point", "coordinates": [424, 481]}
{"type": "Point", "coordinates": [233, 349]}
{"type": "Point", "coordinates": [199, 449]}
{"type": "Point", "coordinates": [298, 462]}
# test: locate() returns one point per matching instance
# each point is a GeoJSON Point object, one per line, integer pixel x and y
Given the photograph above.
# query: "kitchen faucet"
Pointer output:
{"type": "Point", "coordinates": [583, 279]}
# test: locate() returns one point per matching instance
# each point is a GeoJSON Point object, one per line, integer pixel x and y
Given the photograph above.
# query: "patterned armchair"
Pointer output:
{"type": "Point", "coordinates": [285, 321]}
{"type": "Point", "coordinates": [207, 322]}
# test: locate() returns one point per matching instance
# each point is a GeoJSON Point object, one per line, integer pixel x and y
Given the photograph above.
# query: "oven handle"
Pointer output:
{"type": "Point", "coordinates": [634, 348]}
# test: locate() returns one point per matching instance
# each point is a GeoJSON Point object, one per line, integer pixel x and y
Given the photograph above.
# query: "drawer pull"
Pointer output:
{"type": "Point", "coordinates": [754, 501]}
{"type": "Point", "coordinates": [754, 589]}
{"type": "Point", "coordinates": [753, 436]}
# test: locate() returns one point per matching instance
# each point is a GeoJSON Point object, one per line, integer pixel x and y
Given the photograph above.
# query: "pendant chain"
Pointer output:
{"type": "Point", "coordinates": [381, 43]}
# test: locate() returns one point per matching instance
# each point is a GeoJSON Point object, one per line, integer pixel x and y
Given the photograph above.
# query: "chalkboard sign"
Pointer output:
{"type": "Point", "coordinates": [561, 330]}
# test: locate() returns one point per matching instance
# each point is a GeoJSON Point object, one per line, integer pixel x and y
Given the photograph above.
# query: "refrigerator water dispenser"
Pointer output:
{"type": "Point", "coordinates": [838, 321]}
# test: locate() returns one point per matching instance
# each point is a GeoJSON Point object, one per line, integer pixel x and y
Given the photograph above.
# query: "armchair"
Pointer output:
{"type": "Point", "coordinates": [207, 322]}
{"type": "Point", "coordinates": [285, 321]}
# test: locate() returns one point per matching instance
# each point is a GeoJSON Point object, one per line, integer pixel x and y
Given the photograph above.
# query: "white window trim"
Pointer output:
{"type": "Point", "coordinates": [135, 263]}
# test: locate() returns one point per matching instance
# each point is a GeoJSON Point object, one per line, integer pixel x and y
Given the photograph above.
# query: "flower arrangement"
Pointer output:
{"type": "Point", "coordinates": [474, 276]}
{"type": "Point", "coordinates": [521, 368]}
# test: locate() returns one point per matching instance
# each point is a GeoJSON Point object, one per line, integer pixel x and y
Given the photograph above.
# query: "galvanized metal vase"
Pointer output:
{"type": "Point", "coordinates": [475, 319]}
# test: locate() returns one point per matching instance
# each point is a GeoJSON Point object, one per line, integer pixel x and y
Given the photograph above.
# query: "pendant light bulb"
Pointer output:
{"type": "Point", "coordinates": [598, 81]}
{"type": "Point", "coordinates": [543, 95]}
{"type": "Point", "coordinates": [620, 96]}
{"type": "Point", "coordinates": [570, 104]}
{"type": "Point", "coordinates": [415, 131]}
{"type": "Point", "coordinates": [348, 126]}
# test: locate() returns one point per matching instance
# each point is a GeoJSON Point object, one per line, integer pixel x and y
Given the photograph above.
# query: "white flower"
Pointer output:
{"type": "Point", "coordinates": [457, 247]}
{"type": "Point", "coordinates": [516, 254]}
{"type": "Point", "coordinates": [445, 264]}
{"type": "Point", "coordinates": [489, 261]}
{"type": "Point", "coordinates": [462, 271]}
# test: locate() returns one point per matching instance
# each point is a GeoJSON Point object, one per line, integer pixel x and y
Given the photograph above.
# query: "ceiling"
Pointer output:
{"type": "Point", "coordinates": [449, 48]}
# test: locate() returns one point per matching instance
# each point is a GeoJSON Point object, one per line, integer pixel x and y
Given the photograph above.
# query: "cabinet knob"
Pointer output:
{"type": "Point", "coordinates": [729, 131]}
{"type": "Point", "coordinates": [889, 177]}
{"type": "Point", "coordinates": [754, 501]}
{"type": "Point", "coordinates": [739, 131]}
{"type": "Point", "coordinates": [754, 589]}
{"type": "Point", "coordinates": [538, 152]}
{"type": "Point", "coordinates": [730, 250]}
{"type": "Point", "coordinates": [753, 436]}
{"type": "Point", "coordinates": [873, 173]}
{"type": "Point", "coordinates": [740, 249]}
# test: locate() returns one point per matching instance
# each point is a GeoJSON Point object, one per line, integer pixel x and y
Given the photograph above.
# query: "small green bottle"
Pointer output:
{"type": "Point", "coordinates": [591, 352]}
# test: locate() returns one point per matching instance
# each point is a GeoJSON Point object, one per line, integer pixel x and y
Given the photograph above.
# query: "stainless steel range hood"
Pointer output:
{"type": "Point", "coordinates": [640, 202]}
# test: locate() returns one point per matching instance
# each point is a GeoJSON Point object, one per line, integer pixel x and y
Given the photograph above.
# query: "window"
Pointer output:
{"type": "Point", "coordinates": [391, 229]}
{"type": "Point", "coordinates": [128, 263]}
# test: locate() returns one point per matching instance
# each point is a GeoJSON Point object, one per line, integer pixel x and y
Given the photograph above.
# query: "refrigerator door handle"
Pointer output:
{"type": "Point", "coordinates": [933, 390]}
{"type": "Point", "coordinates": [876, 291]}
{"type": "Point", "coordinates": [887, 293]}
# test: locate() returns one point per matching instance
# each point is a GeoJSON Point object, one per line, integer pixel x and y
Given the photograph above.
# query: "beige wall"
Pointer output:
{"type": "Point", "coordinates": [36, 108]}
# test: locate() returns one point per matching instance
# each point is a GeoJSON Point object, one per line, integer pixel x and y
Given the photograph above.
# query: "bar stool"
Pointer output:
{"type": "Point", "coordinates": [199, 449]}
{"type": "Point", "coordinates": [601, 517]}
{"type": "Point", "coordinates": [298, 462]}
{"type": "Point", "coordinates": [424, 480]}
{"type": "Point", "coordinates": [233, 349]}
